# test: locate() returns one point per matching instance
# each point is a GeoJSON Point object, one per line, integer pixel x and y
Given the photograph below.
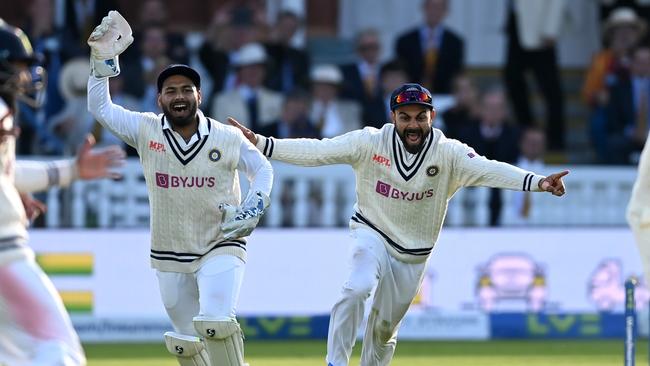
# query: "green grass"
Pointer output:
{"type": "Point", "coordinates": [308, 353]}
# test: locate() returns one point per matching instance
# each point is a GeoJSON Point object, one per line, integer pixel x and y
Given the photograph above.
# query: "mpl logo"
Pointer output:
{"type": "Point", "coordinates": [156, 146]}
{"type": "Point", "coordinates": [381, 160]}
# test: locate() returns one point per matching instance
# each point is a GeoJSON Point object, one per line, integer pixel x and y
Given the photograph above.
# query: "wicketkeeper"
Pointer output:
{"type": "Point", "coordinates": [190, 164]}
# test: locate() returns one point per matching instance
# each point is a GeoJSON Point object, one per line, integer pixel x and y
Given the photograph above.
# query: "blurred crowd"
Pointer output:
{"type": "Point", "coordinates": [258, 71]}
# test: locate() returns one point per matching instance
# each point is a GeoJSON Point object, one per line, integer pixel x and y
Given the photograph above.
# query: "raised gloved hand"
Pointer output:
{"type": "Point", "coordinates": [107, 41]}
{"type": "Point", "coordinates": [238, 222]}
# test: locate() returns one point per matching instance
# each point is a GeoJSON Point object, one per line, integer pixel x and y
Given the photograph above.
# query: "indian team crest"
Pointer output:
{"type": "Point", "coordinates": [214, 155]}
{"type": "Point", "coordinates": [433, 170]}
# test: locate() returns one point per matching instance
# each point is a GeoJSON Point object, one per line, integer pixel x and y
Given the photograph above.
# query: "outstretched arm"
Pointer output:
{"type": "Point", "coordinates": [476, 170]}
{"type": "Point", "coordinates": [107, 42]}
{"type": "Point", "coordinates": [344, 149]}
{"type": "Point", "coordinates": [33, 176]}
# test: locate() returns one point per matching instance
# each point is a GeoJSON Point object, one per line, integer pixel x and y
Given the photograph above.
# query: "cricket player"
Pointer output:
{"type": "Point", "coordinates": [638, 210]}
{"type": "Point", "coordinates": [190, 164]}
{"type": "Point", "coordinates": [35, 328]}
{"type": "Point", "coordinates": [406, 172]}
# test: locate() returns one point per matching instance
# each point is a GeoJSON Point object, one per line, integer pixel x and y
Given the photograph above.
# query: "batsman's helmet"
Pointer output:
{"type": "Point", "coordinates": [21, 75]}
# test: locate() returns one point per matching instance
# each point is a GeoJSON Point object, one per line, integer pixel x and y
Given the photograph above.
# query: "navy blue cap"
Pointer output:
{"type": "Point", "coordinates": [179, 69]}
{"type": "Point", "coordinates": [411, 93]}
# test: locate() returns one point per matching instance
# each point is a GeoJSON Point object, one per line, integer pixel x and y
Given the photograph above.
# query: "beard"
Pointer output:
{"type": "Point", "coordinates": [412, 147]}
{"type": "Point", "coordinates": [180, 119]}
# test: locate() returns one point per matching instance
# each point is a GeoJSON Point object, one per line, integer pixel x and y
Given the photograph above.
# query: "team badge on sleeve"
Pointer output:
{"type": "Point", "coordinates": [214, 155]}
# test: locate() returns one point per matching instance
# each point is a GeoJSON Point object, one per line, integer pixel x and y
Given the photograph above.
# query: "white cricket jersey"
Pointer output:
{"type": "Point", "coordinates": [402, 196]}
{"type": "Point", "coordinates": [187, 181]}
{"type": "Point", "coordinates": [23, 176]}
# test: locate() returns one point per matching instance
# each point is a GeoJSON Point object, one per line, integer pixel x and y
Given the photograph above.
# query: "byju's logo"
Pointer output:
{"type": "Point", "coordinates": [389, 191]}
{"type": "Point", "coordinates": [383, 188]}
{"type": "Point", "coordinates": [164, 180]}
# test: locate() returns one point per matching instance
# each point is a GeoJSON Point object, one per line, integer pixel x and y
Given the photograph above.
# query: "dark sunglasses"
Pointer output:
{"type": "Point", "coordinates": [412, 96]}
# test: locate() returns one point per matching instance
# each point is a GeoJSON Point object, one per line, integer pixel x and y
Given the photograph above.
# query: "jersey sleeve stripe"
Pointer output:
{"type": "Point", "coordinates": [523, 188]}
{"type": "Point", "coordinates": [266, 146]}
{"type": "Point", "coordinates": [271, 146]}
{"type": "Point", "coordinates": [53, 176]}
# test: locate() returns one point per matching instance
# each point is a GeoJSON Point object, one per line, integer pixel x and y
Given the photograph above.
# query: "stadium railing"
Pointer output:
{"type": "Point", "coordinates": [324, 196]}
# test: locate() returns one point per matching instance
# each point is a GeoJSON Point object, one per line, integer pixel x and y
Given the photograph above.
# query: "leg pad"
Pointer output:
{"type": "Point", "coordinates": [189, 350]}
{"type": "Point", "coordinates": [223, 339]}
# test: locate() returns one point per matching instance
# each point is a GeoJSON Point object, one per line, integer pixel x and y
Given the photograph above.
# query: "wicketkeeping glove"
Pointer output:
{"type": "Point", "coordinates": [239, 222]}
{"type": "Point", "coordinates": [107, 41]}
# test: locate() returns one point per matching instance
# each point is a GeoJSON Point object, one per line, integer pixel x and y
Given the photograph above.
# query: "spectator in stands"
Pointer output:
{"type": "Point", "coordinates": [392, 75]}
{"type": "Point", "coordinates": [433, 54]}
{"type": "Point", "coordinates": [532, 146]}
{"type": "Point", "coordinates": [627, 112]}
{"type": "Point", "coordinates": [53, 44]}
{"type": "Point", "coordinates": [289, 66]}
{"type": "Point", "coordinates": [621, 33]}
{"type": "Point", "coordinates": [73, 124]}
{"type": "Point", "coordinates": [331, 115]}
{"type": "Point", "coordinates": [153, 13]}
{"type": "Point", "coordinates": [361, 79]}
{"type": "Point", "coordinates": [80, 18]}
{"type": "Point", "coordinates": [640, 7]}
{"type": "Point", "coordinates": [532, 28]}
{"type": "Point", "coordinates": [233, 25]}
{"type": "Point", "coordinates": [251, 100]}
{"type": "Point", "coordinates": [56, 47]}
{"type": "Point", "coordinates": [294, 121]}
{"type": "Point", "coordinates": [495, 138]}
{"type": "Point", "coordinates": [140, 76]}
{"type": "Point", "coordinates": [466, 110]}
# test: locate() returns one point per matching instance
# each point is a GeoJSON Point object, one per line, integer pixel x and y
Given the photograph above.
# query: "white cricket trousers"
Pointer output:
{"type": "Point", "coordinates": [396, 284]}
{"type": "Point", "coordinates": [211, 291]}
{"type": "Point", "coordinates": [35, 328]}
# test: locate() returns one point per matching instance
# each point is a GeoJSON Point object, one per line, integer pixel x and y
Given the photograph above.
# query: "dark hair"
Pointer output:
{"type": "Point", "coordinates": [179, 69]}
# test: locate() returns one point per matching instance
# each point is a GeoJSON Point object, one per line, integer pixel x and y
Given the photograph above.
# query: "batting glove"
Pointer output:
{"type": "Point", "coordinates": [107, 41]}
{"type": "Point", "coordinates": [240, 222]}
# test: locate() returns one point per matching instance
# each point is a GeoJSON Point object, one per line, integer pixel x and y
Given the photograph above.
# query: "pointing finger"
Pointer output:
{"type": "Point", "coordinates": [561, 174]}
